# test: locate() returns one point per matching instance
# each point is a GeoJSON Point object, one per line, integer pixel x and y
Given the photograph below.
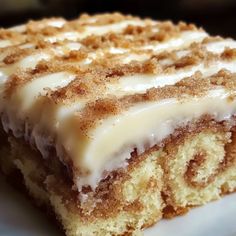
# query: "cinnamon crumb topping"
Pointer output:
{"type": "Point", "coordinates": [105, 19]}
{"type": "Point", "coordinates": [99, 61]}
{"type": "Point", "coordinates": [106, 69]}
{"type": "Point", "coordinates": [16, 55]}
{"type": "Point", "coordinates": [99, 109]}
{"type": "Point", "coordinates": [8, 34]}
{"type": "Point", "coordinates": [194, 86]}
{"type": "Point", "coordinates": [229, 54]}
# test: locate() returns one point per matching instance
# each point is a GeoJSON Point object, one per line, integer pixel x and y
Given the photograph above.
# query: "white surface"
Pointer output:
{"type": "Point", "coordinates": [19, 218]}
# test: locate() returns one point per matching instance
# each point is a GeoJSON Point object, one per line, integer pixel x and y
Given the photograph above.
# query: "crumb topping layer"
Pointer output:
{"type": "Point", "coordinates": [98, 87]}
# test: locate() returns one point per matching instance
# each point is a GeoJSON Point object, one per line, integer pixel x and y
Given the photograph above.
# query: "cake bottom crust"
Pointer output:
{"type": "Point", "coordinates": [193, 166]}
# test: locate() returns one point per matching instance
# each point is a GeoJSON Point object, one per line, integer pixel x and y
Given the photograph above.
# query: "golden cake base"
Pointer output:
{"type": "Point", "coordinates": [195, 165]}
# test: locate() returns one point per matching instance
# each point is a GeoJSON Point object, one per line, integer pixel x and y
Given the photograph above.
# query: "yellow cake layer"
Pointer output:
{"type": "Point", "coordinates": [193, 167]}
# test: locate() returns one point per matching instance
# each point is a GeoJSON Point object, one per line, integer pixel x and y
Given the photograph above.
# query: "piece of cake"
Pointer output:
{"type": "Point", "coordinates": [114, 122]}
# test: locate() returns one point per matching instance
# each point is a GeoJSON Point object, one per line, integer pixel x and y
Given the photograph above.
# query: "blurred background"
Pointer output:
{"type": "Point", "coordinates": [216, 16]}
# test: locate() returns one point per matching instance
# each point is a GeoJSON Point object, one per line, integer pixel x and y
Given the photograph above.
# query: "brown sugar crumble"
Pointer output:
{"type": "Point", "coordinates": [96, 67]}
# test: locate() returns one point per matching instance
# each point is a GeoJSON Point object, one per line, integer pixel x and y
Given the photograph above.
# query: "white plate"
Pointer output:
{"type": "Point", "coordinates": [19, 218]}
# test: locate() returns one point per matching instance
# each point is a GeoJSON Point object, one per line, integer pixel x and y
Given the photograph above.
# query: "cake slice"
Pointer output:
{"type": "Point", "coordinates": [115, 122]}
